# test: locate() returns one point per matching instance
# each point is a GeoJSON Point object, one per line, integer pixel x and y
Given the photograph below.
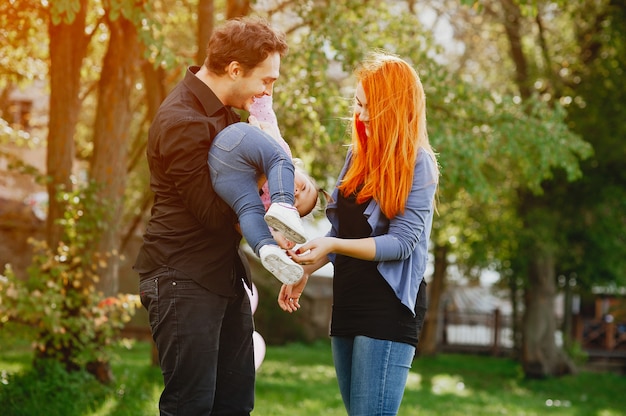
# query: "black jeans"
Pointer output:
{"type": "Point", "coordinates": [205, 346]}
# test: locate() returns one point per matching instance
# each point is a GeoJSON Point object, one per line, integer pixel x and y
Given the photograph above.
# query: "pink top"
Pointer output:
{"type": "Point", "coordinates": [263, 111]}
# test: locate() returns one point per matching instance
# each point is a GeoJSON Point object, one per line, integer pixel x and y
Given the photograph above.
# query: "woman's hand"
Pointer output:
{"type": "Point", "coordinates": [313, 252]}
{"type": "Point", "coordinates": [289, 295]}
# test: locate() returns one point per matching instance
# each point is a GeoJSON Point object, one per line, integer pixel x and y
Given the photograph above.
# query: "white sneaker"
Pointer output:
{"type": "Point", "coordinates": [276, 261]}
{"type": "Point", "coordinates": [286, 219]}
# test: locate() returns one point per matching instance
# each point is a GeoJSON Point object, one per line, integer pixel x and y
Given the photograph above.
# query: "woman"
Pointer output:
{"type": "Point", "coordinates": [381, 215]}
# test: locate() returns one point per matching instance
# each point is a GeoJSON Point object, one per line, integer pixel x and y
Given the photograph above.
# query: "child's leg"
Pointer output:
{"type": "Point", "coordinates": [234, 173]}
{"type": "Point", "coordinates": [245, 150]}
{"type": "Point", "coordinates": [248, 149]}
{"type": "Point", "coordinates": [235, 161]}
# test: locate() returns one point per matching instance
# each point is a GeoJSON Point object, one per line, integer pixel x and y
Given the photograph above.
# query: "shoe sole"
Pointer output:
{"type": "Point", "coordinates": [286, 273]}
{"type": "Point", "coordinates": [288, 232]}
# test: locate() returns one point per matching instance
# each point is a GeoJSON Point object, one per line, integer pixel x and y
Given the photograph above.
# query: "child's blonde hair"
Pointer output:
{"type": "Point", "coordinates": [319, 205]}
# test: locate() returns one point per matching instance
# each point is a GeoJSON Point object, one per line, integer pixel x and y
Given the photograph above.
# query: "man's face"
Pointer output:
{"type": "Point", "coordinates": [255, 83]}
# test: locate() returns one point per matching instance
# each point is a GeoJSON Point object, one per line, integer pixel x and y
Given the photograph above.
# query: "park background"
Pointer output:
{"type": "Point", "coordinates": [525, 105]}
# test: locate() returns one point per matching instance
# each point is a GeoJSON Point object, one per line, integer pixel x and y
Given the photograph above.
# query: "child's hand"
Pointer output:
{"type": "Point", "coordinates": [268, 128]}
{"type": "Point", "coordinates": [253, 121]}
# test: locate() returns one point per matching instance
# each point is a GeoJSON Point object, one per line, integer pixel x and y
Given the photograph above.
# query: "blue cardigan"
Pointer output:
{"type": "Point", "coordinates": [402, 243]}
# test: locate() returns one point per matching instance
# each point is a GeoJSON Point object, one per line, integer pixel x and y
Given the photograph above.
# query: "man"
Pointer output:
{"type": "Point", "coordinates": [190, 267]}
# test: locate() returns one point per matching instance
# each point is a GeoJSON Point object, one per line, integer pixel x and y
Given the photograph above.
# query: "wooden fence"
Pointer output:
{"type": "Point", "coordinates": [492, 333]}
{"type": "Point", "coordinates": [470, 331]}
{"type": "Point", "coordinates": [601, 335]}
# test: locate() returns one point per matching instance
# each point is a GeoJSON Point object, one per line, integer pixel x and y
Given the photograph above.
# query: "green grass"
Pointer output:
{"type": "Point", "coordinates": [299, 380]}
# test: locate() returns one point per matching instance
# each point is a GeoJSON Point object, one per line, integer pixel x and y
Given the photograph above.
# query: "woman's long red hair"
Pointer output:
{"type": "Point", "coordinates": [383, 162]}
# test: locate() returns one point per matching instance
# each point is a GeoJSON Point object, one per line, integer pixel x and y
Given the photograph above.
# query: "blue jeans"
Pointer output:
{"type": "Point", "coordinates": [205, 345]}
{"type": "Point", "coordinates": [371, 373]}
{"type": "Point", "coordinates": [239, 155]}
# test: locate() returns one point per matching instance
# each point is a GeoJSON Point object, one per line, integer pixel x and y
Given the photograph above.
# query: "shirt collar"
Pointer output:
{"type": "Point", "coordinates": [203, 93]}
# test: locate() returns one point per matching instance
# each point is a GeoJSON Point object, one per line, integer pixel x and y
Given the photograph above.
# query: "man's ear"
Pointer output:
{"type": "Point", "coordinates": [234, 70]}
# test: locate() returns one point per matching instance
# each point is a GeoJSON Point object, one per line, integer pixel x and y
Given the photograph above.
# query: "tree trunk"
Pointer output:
{"type": "Point", "coordinates": [154, 80]}
{"type": "Point", "coordinates": [111, 137]}
{"type": "Point", "coordinates": [429, 338]}
{"type": "Point", "coordinates": [541, 357]}
{"type": "Point", "coordinates": [512, 27]}
{"type": "Point", "coordinates": [515, 291]}
{"type": "Point", "coordinates": [68, 46]}
{"type": "Point", "coordinates": [237, 8]}
{"type": "Point", "coordinates": [206, 11]}
{"type": "Point", "coordinates": [155, 93]}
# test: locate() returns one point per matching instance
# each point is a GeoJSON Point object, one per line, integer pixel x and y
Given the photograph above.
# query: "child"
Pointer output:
{"type": "Point", "coordinates": [238, 158]}
{"type": "Point", "coordinates": [262, 110]}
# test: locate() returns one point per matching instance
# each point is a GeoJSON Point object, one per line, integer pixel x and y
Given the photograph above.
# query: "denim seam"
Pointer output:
{"type": "Point", "coordinates": [385, 372]}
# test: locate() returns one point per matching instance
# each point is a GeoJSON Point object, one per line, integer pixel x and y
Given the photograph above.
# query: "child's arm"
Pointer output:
{"type": "Point", "coordinates": [262, 108]}
{"type": "Point", "coordinates": [263, 116]}
{"type": "Point", "coordinates": [268, 128]}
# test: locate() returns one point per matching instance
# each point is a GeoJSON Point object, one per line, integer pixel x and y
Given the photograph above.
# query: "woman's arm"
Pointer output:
{"type": "Point", "coordinates": [406, 230]}
{"type": "Point", "coordinates": [317, 250]}
{"type": "Point", "coordinates": [313, 255]}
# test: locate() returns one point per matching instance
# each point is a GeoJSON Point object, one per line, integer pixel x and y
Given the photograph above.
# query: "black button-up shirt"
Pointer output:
{"type": "Point", "coordinates": [190, 229]}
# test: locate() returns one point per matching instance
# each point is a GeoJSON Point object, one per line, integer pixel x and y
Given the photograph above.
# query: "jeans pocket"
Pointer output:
{"type": "Point", "coordinates": [149, 296]}
{"type": "Point", "coordinates": [229, 138]}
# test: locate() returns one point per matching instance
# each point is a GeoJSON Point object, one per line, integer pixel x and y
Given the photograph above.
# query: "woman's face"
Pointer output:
{"type": "Point", "coordinates": [361, 108]}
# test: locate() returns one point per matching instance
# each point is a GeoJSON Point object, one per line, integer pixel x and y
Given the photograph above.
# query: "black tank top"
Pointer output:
{"type": "Point", "coordinates": [363, 302]}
